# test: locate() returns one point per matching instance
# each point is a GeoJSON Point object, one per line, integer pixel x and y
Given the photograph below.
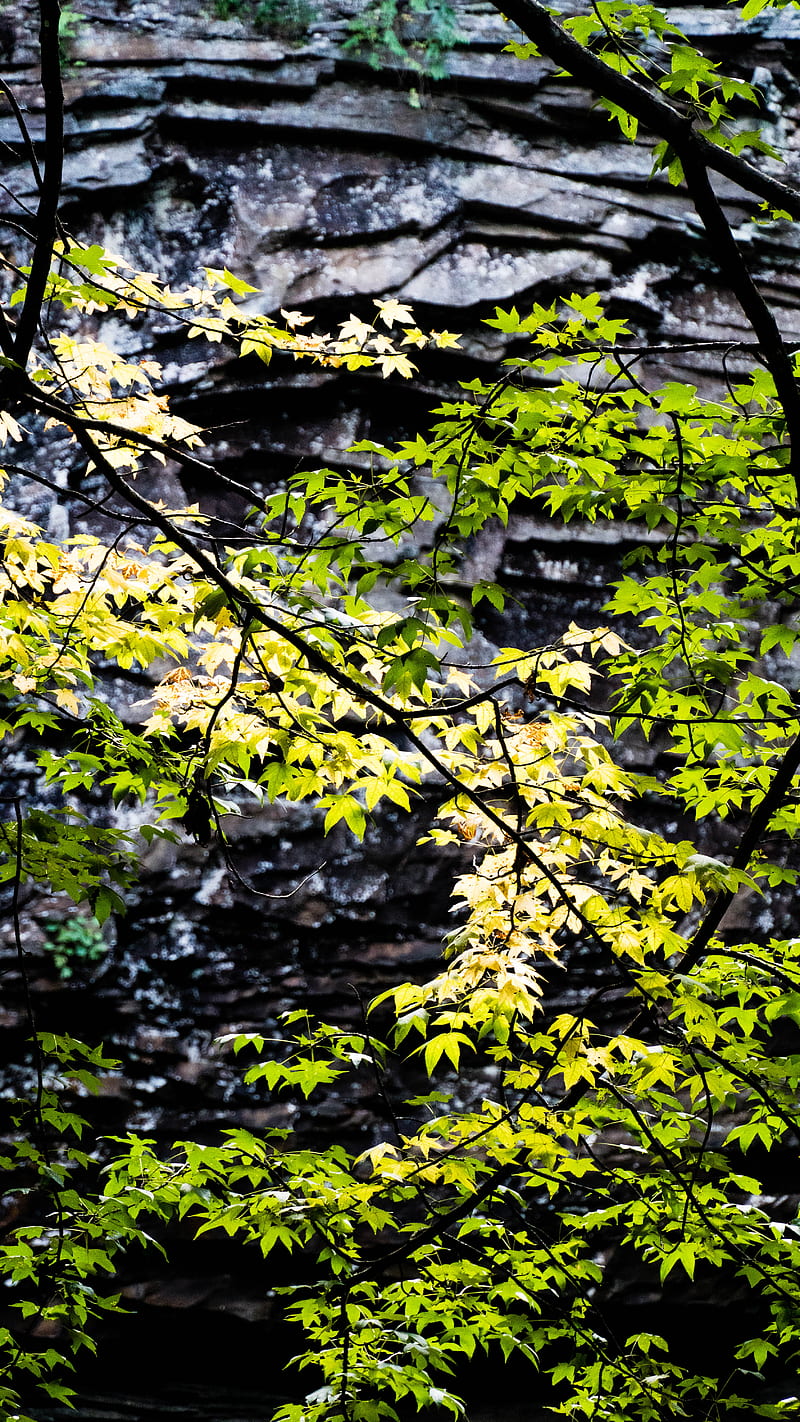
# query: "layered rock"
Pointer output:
{"type": "Point", "coordinates": [191, 141]}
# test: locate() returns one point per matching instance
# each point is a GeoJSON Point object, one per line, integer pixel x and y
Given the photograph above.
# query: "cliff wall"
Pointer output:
{"type": "Point", "coordinates": [193, 140]}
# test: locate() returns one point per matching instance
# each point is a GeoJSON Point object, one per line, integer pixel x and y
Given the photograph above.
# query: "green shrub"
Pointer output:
{"type": "Point", "coordinates": [418, 35]}
{"type": "Point", "coordinates": [286, 19]}
{"type": "Point", "coordinates": [73, 942]}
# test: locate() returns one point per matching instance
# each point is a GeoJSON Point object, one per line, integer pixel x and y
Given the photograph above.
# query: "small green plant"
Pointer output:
{"type": "Point", "coordinates": [285, 19]}
{"type": "Point", "coordinates": [415, 34]}
{"type": "Point", "coordinates": [69, 23]}
{"type": "Point", "coordinates": [73, 942]}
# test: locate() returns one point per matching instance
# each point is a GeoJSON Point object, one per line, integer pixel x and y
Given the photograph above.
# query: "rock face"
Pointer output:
{"type": "Point", "coordinates": [195, 141]}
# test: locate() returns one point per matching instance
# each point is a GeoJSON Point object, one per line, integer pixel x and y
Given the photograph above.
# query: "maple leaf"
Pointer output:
{"type": "Point", "coordinates": [9, 426]}
{"type": "Point", "coordinates": [396, 362]}
{"type": "Point", "coordinates": [354, 330]}
{"type": "Point", "coordinates": [295, 318]}
{"type": "Point", "coordinates": [443, 339]}
{"type": "Point", "coordinates": [392, 310]}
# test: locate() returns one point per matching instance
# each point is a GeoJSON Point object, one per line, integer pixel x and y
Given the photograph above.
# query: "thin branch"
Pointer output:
{"type": "Point", "coordinates": [47, 213]}
{"type": "Point", "coordinates": [27, 141]}
{"type": "Point", "coordinates": [748, 844]}
{"type": "Point", "coordinates": [249, 609]}
{"type": "Point", "coordinates": [734, 268]}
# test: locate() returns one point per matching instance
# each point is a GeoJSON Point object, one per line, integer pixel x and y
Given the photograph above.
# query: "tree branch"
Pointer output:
{"type": "Point", "coordinates": [252, 611]}
{"type": "Point", "coordinates": [651, 109]}
{"type": "Point", "coordinates": [50, 193]}
{"type": "Point", "coordinates": [734, 268]}
{"type": "Point", "coordinates": [748, 844]}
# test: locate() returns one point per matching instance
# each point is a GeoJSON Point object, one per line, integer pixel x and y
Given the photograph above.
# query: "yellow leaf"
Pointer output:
{"type": "Point", "coordinates": [392, 311]}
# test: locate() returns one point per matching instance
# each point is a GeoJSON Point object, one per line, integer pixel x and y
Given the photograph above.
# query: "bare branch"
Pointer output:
{"type": "Point", "coordinates": [47, 213]}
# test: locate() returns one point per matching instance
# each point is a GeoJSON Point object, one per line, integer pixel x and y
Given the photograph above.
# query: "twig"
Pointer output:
{"type": "Point", "coordinates": [47, 212]}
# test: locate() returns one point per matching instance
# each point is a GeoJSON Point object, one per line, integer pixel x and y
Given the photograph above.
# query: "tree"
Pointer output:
{"type": "Point", "coordinates": [645, 1120]}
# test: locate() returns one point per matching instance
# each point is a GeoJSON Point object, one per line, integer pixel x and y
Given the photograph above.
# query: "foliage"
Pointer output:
{"type": "Point", "coordinates": [285, 19]}
{"type": "Point", "coordinates": [413, 34]}
{"type": "Point", "coordinates": [70, 22]}
{"type": "Point", "coordinates": [642, 1125]}
{"type": "Point", "coordinates": [53, 1254]}
{"type": "Point", "coordinates": [74, 942]}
